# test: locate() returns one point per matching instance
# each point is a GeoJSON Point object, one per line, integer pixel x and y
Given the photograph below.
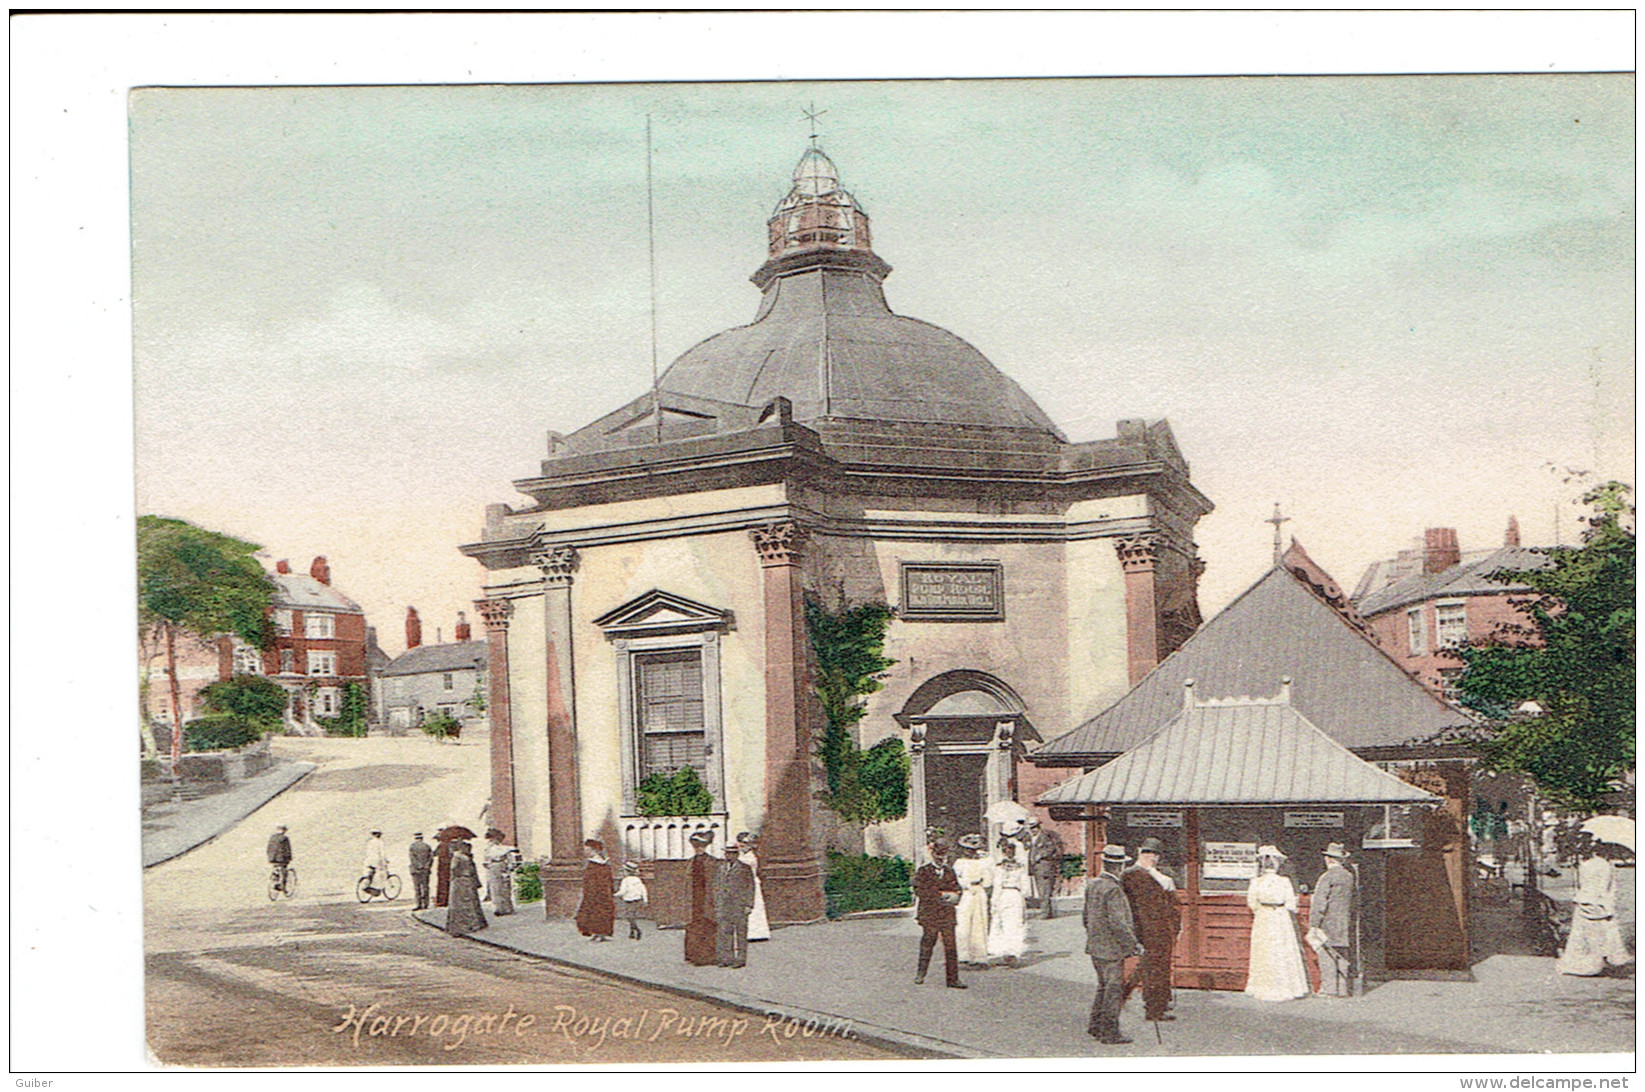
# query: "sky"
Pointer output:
{"type": "Point", "coordinates": [1385, 303]}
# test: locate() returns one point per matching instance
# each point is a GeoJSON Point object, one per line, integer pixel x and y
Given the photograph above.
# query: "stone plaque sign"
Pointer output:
{"type": "Point", "coordinates": [953, 592]}
{"type": "Point", "coordinates": [1229, 861]}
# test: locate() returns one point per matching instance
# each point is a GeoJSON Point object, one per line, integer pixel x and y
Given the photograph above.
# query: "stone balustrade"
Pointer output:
{"type": "Point", "coordinates": [667, 837]}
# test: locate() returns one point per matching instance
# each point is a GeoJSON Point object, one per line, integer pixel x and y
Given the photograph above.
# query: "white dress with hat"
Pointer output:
{"type": "Point", "coordinates": [1595, 939]}
{"type": "Point", "coordinates": [759, 926]}
{"type": "Point", "coordinates": [971, 913]}
{"type": "Point", "coordinates": [1008, 932]}
{"type": "Point", "coordinates": [1277, 972]}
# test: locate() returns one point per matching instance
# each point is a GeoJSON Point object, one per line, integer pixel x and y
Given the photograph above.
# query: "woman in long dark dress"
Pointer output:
{"type": "Point", "coordinates": [597, 913]}
{"type": "Point", "coordinates": [700, 931]}
{"type": "Point", "coordinates": [446, 835]}
{"type": "Point", "coordinates": [464, 915]}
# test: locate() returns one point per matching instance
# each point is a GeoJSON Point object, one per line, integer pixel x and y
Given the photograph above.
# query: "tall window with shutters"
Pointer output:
{"type": "Point", "coordinates": [668, 694]}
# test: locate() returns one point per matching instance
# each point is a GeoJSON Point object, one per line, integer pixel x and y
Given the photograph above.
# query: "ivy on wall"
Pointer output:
{"type": "Point", "coordinates": [848, 649]}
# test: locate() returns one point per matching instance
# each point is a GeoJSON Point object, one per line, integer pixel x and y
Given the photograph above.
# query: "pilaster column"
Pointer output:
{"type": "Point", "coordinates": [916, 790]}
{"type": "Point", "coordinates": [790, 865]}
{"type": "Point", "coordinates": [562, 874]}
{"type": "Point", "coordinates": [499, 713]}
{"type": "Point", "coordinates": [1137, 555]}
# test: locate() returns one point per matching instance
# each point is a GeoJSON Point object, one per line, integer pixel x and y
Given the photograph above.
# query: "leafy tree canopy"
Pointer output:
{"type": "Point", "coordinates": [1575, 660]}
{"type": "Point", "coordinates": [250, 696]}
{"type": "Point", "coordinates": [200, 580]}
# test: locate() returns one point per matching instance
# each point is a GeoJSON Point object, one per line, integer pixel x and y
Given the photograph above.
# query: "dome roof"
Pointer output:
{"type": "Point", "coordinates": [825, 339]}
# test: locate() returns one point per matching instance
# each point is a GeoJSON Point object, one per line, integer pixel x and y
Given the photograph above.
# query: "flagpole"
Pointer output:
{"type": "Point", "coordinates": [651, 251]}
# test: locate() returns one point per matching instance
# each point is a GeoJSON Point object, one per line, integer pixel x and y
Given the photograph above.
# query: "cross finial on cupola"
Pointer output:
{"type": "Point", "coordinates": [812, 115]}
{"type": "Point", "coordinates": [1276, 519]}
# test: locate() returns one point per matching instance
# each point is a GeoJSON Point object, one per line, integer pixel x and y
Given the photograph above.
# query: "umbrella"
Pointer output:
{"type": "Point", "coordinates": [454, 833]}
{"type": "Point", "coordinates": [1007, 811]}
{"type": "Point", "coordinates": [1612, 828]}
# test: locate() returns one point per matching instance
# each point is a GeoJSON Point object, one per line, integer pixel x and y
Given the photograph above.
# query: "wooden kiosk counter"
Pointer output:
{"type": "Point", "coordinates": [1226, 776]}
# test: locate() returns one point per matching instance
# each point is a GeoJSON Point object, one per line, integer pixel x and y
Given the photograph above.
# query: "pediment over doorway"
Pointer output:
{"type": "Point", "coordinates": [659, 611]}
{"type": "Point", "coordinates": [965, 696]}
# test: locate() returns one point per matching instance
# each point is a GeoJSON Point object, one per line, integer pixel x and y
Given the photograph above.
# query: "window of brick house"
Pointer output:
{"type": "Point", "coordinates": [282, 623]}
{"type": "Point", "coordinates": [327, 701]}
{"type": "Point", "coordinates": [248, 660]}
{"type": "Point", "coordinates": [1450, 623]}
{"type": "Point", "coordinates": [1417, 628]}
{"type": "Point", "coordinates": [319, 625]}
{"type": "Point", "coordinates": [288, 662]}
{"type": "Point", "coordinates": [322, 662]}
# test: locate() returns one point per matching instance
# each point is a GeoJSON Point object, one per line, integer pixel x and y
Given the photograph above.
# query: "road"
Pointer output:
{"type": "Point", "coordinates": [235, 980]}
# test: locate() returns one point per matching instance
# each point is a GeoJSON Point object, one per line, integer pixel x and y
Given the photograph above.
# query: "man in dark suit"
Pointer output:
{"type": "Point", "coordinates": [1153, 898]}
{"type": "Point", "coordinates": [421, 856]}
{"type": "Point", "coordinates": [1110, 939]}
{"type": "Point", "coordinates": [937, 890]}
{"type": "Point", "coordinates": [733, 900]}
{"type": "Point", "coordinates": [1045, 863]}
{"type": "Point", "coordinates": [1330, 918]}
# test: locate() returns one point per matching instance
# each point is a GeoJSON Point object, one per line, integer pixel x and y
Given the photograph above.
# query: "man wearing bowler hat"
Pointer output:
{"type": "Point", "coordinates": [1153, 898]}
{"type": "Point", "coordinates": [1330, 917]}
{"type": "Point", "coordinates": [937, 892]}
{"type": "Point", "coordinates": [1110, 939]}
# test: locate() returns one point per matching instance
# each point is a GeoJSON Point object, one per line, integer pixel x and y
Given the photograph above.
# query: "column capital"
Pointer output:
{"type": "Point", "coordinates": [495, 613]}
{"type": "Point", "coordinates": [778, 543]}
{"type": "Point", "coordinates": [557, 565]}
{"type": "Point", "coordinates": [1138, 553]}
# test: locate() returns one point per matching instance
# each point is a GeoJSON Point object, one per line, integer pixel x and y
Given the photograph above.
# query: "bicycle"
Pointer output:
{"type": "Point", "coordinates": [389, 891]}
{"type": "Point", "coordinates": [282, 880]}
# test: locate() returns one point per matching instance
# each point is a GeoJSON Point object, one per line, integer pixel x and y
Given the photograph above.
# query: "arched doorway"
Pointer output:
{"type": "Point", "coordinates": [966, 730]}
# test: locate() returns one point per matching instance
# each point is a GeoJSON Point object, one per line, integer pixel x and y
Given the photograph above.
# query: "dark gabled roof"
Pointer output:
{"type": "Point", "coordinates": [1467, 578]}
{"type": "Point", "coordinates": [1246, 752]}
{"type": "Point", "coordinates": [457, 656]}
{"type": "Point", "coordinates": [300, 592]}
{"type": "Point", "coordinates": [1341, 681]}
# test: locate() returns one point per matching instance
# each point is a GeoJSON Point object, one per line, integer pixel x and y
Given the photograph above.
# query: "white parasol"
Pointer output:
{"type": "Point", "coordinates": [1612, 828]}
{"type": "Point", "coordinates": [1007, 811]}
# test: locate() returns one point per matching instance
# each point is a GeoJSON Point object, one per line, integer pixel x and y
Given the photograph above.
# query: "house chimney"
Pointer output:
{"type": "Point", "coordinates": [1512, 537]}
{"type": "Point", "coordinates": [439, 639]}
{"type": "Point", "coordinates": [1187, 694]}
{"type": "Point", "coordinates": [320, 570]}
{"type": "Point", "coordinates": [282, 566]}
{"type": "Point", "coordinates": [1440, 550]}
{"type": "Point", "coordinates": [414, 628]}
{"type": "Point", "coordinates": [463, 632]}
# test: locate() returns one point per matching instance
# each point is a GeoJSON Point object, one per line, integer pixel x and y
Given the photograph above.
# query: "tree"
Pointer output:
{"type": "Point", "coordinates": [1575, 661]}
{"type": "Point", "coordinates": [192, 579]}
{"type": "Point", "coordinates": [250, 696]}
{"type": "Point", "coordinates": [848, 651]}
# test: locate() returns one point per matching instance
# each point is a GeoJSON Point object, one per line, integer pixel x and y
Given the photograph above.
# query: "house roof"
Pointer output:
{"type": "Point", "coordinates": [1470, 577]}
{"type": "Point", "coordinates": [299, 592]}
{"type": "Point", "coordinates": [457, 656]}
{"type": "Point", "coordinates": [1244, 751]}
{"type": "Point", "coordinates": [1343, 682]}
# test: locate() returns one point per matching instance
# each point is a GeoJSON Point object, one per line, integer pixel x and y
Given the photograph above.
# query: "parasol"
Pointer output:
{"type": "Point", "coordinates": [1612, 828]}
{"type": "Point", "coordinates": [454, 833]}
{"type": "Point", "coordinates": [1007, 811]}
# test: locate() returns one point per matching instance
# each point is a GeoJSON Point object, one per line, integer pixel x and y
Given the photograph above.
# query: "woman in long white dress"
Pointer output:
{"type": "Point", "coordinates": [759, 926]}
{"type": "Point", "coordinates": [1007, 930]}
{"type": "Point", "coordinates": [1277, 972]}
{"type": "Point", "coordinates": [1595, 938]}
{"type": "Point", "coordinates": [971, 913]}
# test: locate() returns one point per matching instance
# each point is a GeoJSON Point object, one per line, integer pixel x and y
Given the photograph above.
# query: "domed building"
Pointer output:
{"type": "Point", "coordinates": [647, 609]}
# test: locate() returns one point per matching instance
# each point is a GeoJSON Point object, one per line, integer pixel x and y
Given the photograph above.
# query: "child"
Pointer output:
{"type": "Point", "coordinates": [632, 896]}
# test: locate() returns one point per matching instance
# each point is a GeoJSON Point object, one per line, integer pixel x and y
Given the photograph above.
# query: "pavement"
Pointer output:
{"type": "Point", "coordinates": [860, 972]}
{"type": "Point", "coordinates": [172, 829]}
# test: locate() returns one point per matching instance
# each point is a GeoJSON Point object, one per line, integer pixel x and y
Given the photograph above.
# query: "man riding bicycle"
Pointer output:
{"type": "Point", "coordinates": [279, 855]}
{"type": "Point", "coordinates": [376, 863]}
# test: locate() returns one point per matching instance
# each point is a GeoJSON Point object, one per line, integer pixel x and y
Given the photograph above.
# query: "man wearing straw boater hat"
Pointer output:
{"type": "Point", "coordinates": [1158, 918]}
{"type": "Point", "coordinates": [1111, 939]}
{"type": "Point", "coordinates": [1330, 917]}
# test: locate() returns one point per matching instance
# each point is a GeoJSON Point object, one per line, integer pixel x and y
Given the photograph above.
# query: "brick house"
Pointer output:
{"type": "Point", "coordinates": [1430, 599]}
